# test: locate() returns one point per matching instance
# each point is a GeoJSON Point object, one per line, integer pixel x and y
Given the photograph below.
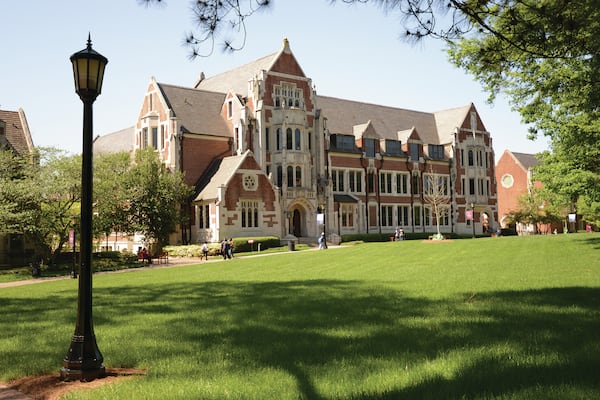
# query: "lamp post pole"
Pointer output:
{"type": "Point", "coordinates": [83, 360]}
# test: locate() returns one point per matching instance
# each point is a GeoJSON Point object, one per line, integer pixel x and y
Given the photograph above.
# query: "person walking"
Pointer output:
{"type": "Point", "coordinates": [321, 240]}
{"type": "Point", "coordinates": [204, 251]}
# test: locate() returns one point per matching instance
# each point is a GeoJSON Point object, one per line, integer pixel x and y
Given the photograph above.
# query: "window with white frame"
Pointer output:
{"type": "Point", "coordinates": [402, 183]}
{"type": "Point", "coordinates": [204, 216]}
{"type": "Point", "coordinates": [416, 215]}
{"type": "Point", "coordinates": [347, 215]}
{"type": "Point", "coordinates": [249, 211]}
{"type": "Point", "coordinates": [428, 221]}
{"type": "Point", "coordinates": [386, 215]}
{"type": "Point", "coordinates": [385, 182]}
{"type": "Point", "coordinates": [435, 185]}
{"type": "Point", "coordinates": [337, 180]}
{"type": "Point", "coordinates": [402, 212]}
{"type": "Point", "coordinates": [355, 181]}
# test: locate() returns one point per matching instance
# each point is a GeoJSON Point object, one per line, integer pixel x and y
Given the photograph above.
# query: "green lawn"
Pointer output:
{"type": "Point", "coordinates": [495, 318]}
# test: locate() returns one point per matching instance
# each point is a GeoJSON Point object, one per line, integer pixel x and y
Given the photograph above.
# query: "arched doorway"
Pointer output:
{"type": "Point", "coordinates": [296, 223]}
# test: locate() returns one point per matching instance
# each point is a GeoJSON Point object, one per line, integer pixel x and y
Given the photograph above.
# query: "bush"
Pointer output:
{"type": "Point", "coordinates": [240, 245]}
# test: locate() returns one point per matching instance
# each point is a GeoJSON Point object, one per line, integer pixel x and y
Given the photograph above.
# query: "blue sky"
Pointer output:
{"type": "Point", "coordinates": [351, 52]}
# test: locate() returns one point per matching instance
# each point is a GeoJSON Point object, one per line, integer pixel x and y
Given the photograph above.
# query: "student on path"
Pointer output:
{"type": "Point", "coordinates": [204, 251]}
{"type": "Point", "coordinates": [321, 240]}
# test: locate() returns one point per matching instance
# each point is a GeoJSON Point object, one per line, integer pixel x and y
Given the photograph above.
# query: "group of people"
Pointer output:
{"type": "Point", "coordinates": [227, 248]}
{"type": "Point", "coordinates": [399, 234]}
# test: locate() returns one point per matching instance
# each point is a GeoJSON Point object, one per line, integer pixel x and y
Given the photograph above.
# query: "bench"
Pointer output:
{"type": "Point", "coordinates": [162, 258]}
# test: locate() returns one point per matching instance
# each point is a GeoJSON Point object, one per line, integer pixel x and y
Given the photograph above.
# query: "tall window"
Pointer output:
{"type": "Point", "coordinates": [417, 215]}
{"type": "Point", "coordinates": [249, 210]}
{"type": "Point", "coordinates": [355, 181]}
{"type": "Point", "coordinates": [347, 214]}
{"type": "Point", "coordinates": [279, 175]}
{"type": "Point", "coordinates": [426, 216]}
{"type": "Point", "coordinates": [290, 176]}
{"type": "Point", "coordinates": [472, 186]}
{"type": "Point", "coordinates": [144, 138]}
{"type": "Point", "coordinates": [337, 180]}
{"type": "Point", "coordinates": [288, 139]}
{"type": "Point", "coordinates": [387, 215]}
{"type": "Point", "coordinates": [471, 162]}
{"type": "Point", "coordinates": [385, 182]}
{"type": "Point", "coordinates": [267, 141]}
{"type": "Point", "coordinates": [402, 183]}
{"type": "Point", "coordinates": [415, 184]}
{"type": "Point", "coordinates": [371, 182]}
{"type": "Point", "coordinates": [155, 137]}
{"type": "Point", "coordinates": [297, 139]}
{"type": "Point", "coordinates": [298, 176]}
{"type": "Point", "coordinates": [204, 217]}
{"type": "Point", "coordinates": [279, 139]}
{"type": "Point", "coordinates": [403, 216]}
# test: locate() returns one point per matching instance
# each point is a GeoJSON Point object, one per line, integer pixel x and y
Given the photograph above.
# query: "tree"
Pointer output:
{"type": "Point", "coordinates": [156, 196]}
{"type": "Point", "coordinates": [60, 182]}
{"type": "Point", "coordinates": [437, 195]}
{"type": "Point", "coordinates": [111, 195]}
{"type": "Point", "coordinates": [19, 194]}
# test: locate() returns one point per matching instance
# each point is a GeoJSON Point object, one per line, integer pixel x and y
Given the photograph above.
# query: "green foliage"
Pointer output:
{"type": "Point", "coordinates": [544, 57]}
{"type": "Point", "coordinates": [508, 318]}
{"type": "Point", "coordinates": [240, 245]}
{"type": "Point", "coordinates": [156, 196]}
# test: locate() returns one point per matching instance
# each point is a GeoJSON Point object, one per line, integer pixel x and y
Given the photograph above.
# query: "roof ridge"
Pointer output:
{"type": "Point", "coordinates": [376, 105]}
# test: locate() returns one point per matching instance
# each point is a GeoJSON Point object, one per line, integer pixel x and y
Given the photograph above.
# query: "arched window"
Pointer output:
{"type": "Point", "coordinates": [277, 102]}
{"type": "Point", "coordinates": [297, 139]}
{"type": "Point", "coordinates": [290, 176]}
{"type": "Point", "coordinates": [279, 175]}
{"type": "Point", "coordinates": [288, 136]}
{"type": "Point", "coordinates": [298, 176]}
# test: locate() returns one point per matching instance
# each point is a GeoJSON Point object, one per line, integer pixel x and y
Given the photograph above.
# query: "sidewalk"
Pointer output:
{"type": "Point", "coordinates": [173, 262]}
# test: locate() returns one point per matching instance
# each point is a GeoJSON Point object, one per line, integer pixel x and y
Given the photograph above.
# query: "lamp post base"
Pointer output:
{"type": "Point", "coordinates": [84, 375]}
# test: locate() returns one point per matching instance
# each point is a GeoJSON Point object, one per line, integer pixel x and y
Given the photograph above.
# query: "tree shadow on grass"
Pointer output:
{"type": "Point", "coordinates": [546, 337]}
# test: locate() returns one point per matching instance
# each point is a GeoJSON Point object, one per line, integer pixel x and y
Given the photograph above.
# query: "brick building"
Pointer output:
{"type": "Point", "coordinates": [269, 156]}
{"type": "Point", "coordinates": [514, 174]}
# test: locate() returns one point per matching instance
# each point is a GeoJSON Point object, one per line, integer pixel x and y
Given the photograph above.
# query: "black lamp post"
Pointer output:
{"type": "Point", "coordinates": [84, 361]}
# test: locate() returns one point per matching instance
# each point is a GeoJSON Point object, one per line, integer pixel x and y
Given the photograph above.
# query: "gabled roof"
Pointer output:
{"type": "Point", "coordinates": [226, 170]}
{"type": "Point", "coordinates": [236, 80]}
{"type": "Point", "coordinates": [527, 161]}
{"type": "Point", "coordinates": [115, 142]}
{"type": "Point", "coordinates": [16, 131]}
{"type": "Point", "coordinates": [342, 115]}
{"type": "Point", "coordinates": [447, 120]}
{"type": "Point", "coordinates": [198, 110]}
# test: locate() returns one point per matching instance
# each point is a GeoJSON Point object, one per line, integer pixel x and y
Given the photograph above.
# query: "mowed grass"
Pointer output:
{"type": "Point", "coordinates": [497, 318]}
